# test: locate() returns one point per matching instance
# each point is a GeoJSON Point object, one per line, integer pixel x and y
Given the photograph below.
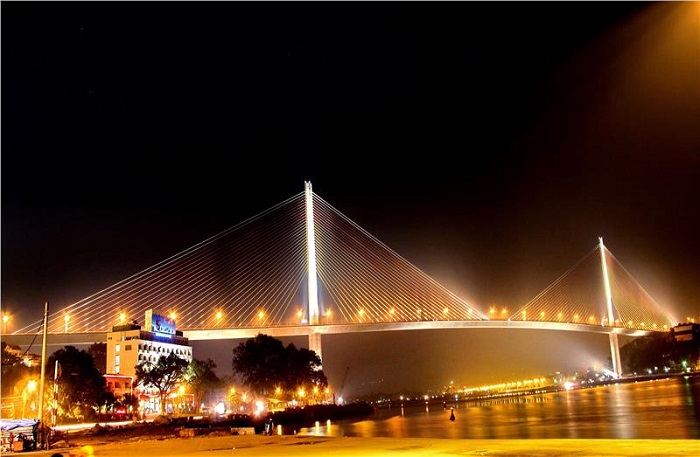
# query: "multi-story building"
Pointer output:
{"type": "Point", "coordinates": [119, 385]}
{"type": "Point", "coordinates": [687, 332]}
{"type": "Point", "coordinates": [129, 345]}
{"type": "Point", "coordinates": [28, 359]}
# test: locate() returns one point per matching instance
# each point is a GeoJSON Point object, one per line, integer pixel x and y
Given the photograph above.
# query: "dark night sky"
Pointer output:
{"type": "Point", "coordinates": [489, 143]}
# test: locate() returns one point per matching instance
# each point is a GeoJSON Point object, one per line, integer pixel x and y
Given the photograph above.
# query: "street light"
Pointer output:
{"type": "Point", "coordinates": [5, 320]}
{"type": "Point", "coordinates": [185, 401]}
{"type": "Point", "coordinates": [231, 397]}
{"type": "Point", "coordinates": [31, 387]}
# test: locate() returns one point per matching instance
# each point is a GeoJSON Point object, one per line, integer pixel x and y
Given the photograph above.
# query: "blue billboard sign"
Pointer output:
{"type": "Point", "coordinates": [159, 323]}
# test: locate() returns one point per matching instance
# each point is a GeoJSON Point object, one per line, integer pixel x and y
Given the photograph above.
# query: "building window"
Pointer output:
{"type": "Point", "coordinates": [127, 347]}
{"type": "Point", "coordinates": [116, 347]}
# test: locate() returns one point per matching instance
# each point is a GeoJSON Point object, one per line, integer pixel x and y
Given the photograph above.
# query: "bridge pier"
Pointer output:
{"type": "Point", "coordinates": [615, 354]}
{"type": "Point", "coordinates": [315, 344]}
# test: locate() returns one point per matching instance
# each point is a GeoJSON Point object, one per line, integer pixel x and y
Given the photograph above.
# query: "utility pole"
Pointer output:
{"type": "Point", "coordinates": [42, 431]}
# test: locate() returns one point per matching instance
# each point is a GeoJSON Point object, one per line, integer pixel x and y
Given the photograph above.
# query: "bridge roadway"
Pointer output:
{"type": "Point", "coordinates": [73, 339]}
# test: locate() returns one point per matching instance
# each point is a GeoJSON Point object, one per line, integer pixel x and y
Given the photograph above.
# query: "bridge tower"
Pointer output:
{"type": "Point", "coordinates": [614, 342]}
{"type": "Point", "coordinates": [312, 312]}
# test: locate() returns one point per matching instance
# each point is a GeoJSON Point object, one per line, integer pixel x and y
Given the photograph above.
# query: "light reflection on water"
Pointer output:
{"type": "Point", "coordinates": [663, 409]}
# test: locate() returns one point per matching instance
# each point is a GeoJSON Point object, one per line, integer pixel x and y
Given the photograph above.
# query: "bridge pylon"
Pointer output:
{"type": "Point", "coordinates": [313, 312]}
{"type": "Point", "coordinates": [614, 342]}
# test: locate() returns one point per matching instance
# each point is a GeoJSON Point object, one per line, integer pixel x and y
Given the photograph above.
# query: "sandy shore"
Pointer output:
{"type": "Point", "coordinates": [290, 446]}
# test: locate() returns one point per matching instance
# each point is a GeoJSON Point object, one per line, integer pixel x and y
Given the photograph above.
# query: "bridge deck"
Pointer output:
{"type": "Point", "coordinates": [62, 339]}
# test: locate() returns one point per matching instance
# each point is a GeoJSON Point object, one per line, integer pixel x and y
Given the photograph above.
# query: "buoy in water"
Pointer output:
{"type": "Point", "coordinates": [452, 414]}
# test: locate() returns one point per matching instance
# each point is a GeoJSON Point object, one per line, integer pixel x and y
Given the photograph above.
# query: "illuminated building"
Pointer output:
{"type": "Point", "coordinates": [129, 345]}
{"type": "Point", "coordinates": [119, 385]}
{"type": "Point", "coordinates": [687, 332]}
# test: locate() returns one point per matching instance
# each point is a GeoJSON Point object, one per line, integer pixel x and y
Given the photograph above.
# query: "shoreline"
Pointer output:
{"type": "Point", "coordinates": [307, 445]}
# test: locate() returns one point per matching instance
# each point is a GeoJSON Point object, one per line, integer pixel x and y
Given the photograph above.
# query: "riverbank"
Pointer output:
{"type": "Point", "coordinates": [310, 446]}
{"type": "Point", "coordinates": [481, 396]}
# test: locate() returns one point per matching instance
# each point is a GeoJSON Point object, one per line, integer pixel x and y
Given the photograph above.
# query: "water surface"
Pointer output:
{"type": "Point", "coordinates": [662, 409]}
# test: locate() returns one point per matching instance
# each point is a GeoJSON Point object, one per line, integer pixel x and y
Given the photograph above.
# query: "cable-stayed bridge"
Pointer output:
{"type": "Point", "coordinates": [303, 268]}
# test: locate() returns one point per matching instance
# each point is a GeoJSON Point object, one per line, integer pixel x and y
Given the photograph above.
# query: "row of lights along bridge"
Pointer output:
{"type": "Point", "coordinates": [542, 316]}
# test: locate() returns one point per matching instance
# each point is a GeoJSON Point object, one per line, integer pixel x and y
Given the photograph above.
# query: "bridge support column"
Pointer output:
{"type": "Point", "coordinates": [315, 344]}
{"type": "Point", "coordinates": [313, 312]}
{"type": "Point", "coordinates": [615, 354]}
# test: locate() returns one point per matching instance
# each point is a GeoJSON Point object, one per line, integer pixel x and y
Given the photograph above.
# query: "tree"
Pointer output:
{"type": "Point", "coordinates": [98, 351]}
{"type": "Point", "coordinates": [19, 381]}
{"type": "Point", "coordinates": [13, 370]}
{"type": "Point", "coordinates": [82, 389]}
{"type": "Point", "coordinates": [643, 353]}
{"type": "Point", "coordinates": [259, 362]}
{"type": "Point", "coordinates": [130, 402]}
{"type": "Point", "coordinates": [304, 367]}
{"type": "Point", "coordinates": [657, 351]}
{"type": "Point", "coordinates": [164, 375]}
{"type": "Point", "coordinates": [9, 357]}
{"type": "Point", "coordinates": [263, 363]}
{"type": "Point", "coordinates": [201, 379]}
